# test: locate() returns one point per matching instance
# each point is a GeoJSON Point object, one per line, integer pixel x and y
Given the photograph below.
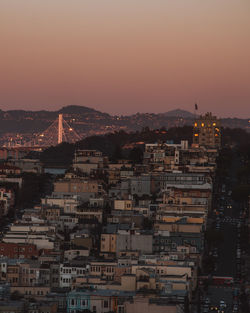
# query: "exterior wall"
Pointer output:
{"type": "Point", "coordinates": [141, 185]}
{"type": "Point", "coordinates": [174, 227]}
{"type": "Point", "coordinates": [162, 181]}
{"type": "Point", "coordinates": [85, 167]}
{"type": "Point", "coordinates": [7, 200]}
{"type": "Point", "coordinates": [31, 292]}
{"type": "Point", "coordinates": [40, 243]}
{"type": "Point", "coordinates": [142, 243]}
{"type": "Point", "coordinates": [108, 243]}
{"type": "Point", "coordinates": [142, 305]}
{"type": "Point", "coordinates": [14, 180]}
{"type": "Point", "coordinates": [87, 160]}
{"type": "Point", "coordinates": [83, 242]}
{"type": "Point", "coordinates": [120, 271]}
{"type": "Point", "coordinates": [51, 213]}
{"type": "Point", "coordinates": [67, 222]}
{"type": "Point", "coordinates": [126, 217]}
{"type": "Point", "coordinates": [68, 205]}
{"type": "Point", "coordinates": [90, 214]}
{"type": "Point", "coordinates": [13, 307]}
{"type": "Point", "coordinates": [12, 275]}
{"type": "Point", "coordinates": [7, 169]}
{"type": "Point", "coordinates": [13, 250]}
{"type": "Point", "coordinates": [175, 240]}
{"type": "Point", "coordinates": [71, 254]}
{"type": "Point", "coordinates": [29, 275]}
{"type": "Point", "coordinates": [76, 186]}
{"type": "Point", "coordinates": [79, 302]}
{"type": "Point", "coordinates": [188, 196]}
{"type": "Point", "coordinates": [28, 165]}
{"type": "Point", "coordinates": [95, 302]}
{"type": "Point", "coordinates": [207, 131]}
{"type": "Point", "coordinates": [68, 273]}
{"type": "Point", "coordinates": [123, 204]}
{"type": "Point", "coordinates": [54, 275]}
{"type": "Point", "coordinates": [31, 227]}
{"type": "Point", "coordinates": [103, 269]}
{"type": "Point", "coordinates": [163, 270]}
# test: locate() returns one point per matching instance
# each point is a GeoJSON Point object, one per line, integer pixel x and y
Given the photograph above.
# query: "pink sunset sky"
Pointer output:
{"type": "Point", "coordinates": [124, 57]}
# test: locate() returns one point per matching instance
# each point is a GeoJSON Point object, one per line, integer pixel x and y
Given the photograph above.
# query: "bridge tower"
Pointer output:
{"type": "Point", "coordinates": [60, 128]}
{"type": "Point", "coordinates": [59, 131]}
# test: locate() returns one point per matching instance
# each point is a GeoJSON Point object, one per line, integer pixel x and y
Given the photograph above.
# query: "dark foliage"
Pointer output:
{"type": "Point", "coordinates": [235, 136]}
{"type": "Point", "coordinates": [60, 155]}
{"type": "Point", "coordinates": [111, 144]}
{"type": "Point", "coordinates": [241, 193]}
{"type": "Point", "coordinates": [136, 155]}
{"type": "Point", "coordinates": [33, 188]}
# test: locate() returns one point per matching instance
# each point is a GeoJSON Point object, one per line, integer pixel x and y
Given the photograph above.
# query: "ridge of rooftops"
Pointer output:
{"type": "Point", "coordinates": [120, 293]}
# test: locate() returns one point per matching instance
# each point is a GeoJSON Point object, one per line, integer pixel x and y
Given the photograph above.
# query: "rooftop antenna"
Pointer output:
{"type": "Point", "coordinates": [195, 110]}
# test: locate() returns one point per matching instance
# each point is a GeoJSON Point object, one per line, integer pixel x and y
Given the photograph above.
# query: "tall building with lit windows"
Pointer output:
{"type": "Point", "coordinates": [207, 131]}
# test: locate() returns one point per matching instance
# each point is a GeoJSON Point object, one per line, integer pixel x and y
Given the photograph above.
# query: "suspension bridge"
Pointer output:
{"type": "Point", "coordinates": [59, 131]}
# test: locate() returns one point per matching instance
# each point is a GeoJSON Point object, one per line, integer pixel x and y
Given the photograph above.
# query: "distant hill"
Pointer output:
{"type": "Point", "coordinates": [70, 109]}
{"type": "Point", "coordinates": [88, 122]}
{"type": "Point", "coordinates": [77, 109]}
{"type": "Point", "coordinates": [179, 113]}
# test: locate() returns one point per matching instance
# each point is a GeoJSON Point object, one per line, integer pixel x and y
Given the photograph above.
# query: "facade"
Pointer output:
{"type": "Point", "coordinates": [7, 200]}
{"type": "Point", "coordinates": [98, 301]}
{"type": "Point", "coordinates": [27, 165]}
{"type": "Point", "coordinates": [81, 187]}
{"type": "Point", "coordinates": [14, 250]}
{"type": "Point", "coordinates": [69, 203]}
{"type": "Point", "coordinates": [207, 131]}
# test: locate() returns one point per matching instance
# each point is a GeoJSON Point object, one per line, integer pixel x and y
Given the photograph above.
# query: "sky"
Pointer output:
{"type": "Point", "coordinates": [124, 57]}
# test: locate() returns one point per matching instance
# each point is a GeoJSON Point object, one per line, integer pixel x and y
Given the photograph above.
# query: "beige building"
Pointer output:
{"type": "Point", "coordinates": [36, 292]}
{"type": "Point", "coordinates": [176, 224]}
{"type": "Point", "coordinates": [142, 305]}
{"type": "Point", "coordinates": [108, 243]}
{"type": "Point", "coordinates": [88, 160]}
{"type": "Point", "coordinates": [68, 203]}
{"type": "Point", "coordinates": [207, 131]}
{"type": "Point", "coordinates": [76, 185]}
{"type": "Point", "coordinates": [89, 214]}
{"type": "Point", "coordinates": [123, 204]}
{"type": "Point", "coordinates": [104, 269]}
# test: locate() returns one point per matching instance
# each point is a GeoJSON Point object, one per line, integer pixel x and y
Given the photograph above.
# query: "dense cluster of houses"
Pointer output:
{"type": "Point", "coordinates": [112, 237]}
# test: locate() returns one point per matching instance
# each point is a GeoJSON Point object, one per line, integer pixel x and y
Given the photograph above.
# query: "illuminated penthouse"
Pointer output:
{"type": "Point", "coordinates": [207, 131]}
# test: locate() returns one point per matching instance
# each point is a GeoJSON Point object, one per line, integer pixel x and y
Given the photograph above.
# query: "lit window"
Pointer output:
{"type": "Point", "coordinates": [196, 135]}
{"type": "Point", "coordinates": [202, 124]}
{"type": "Point", "coordinates": [214, 124]}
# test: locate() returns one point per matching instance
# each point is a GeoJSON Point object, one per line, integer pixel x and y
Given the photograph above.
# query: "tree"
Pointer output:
{"type": "Point", "coordinates": [208, 264]}
{"type": "Point", "coordinates": [213, 237]}
{"type": "Point", "coordinates": [33, 188]}
{"type": "Point", "coordinates": [136, 155]}
{"type": "Point", "coordinates": [147, 223]}
{"type": "Point", "coordinates": [15, 296]}
{"type": "Point", "coordinates": [241, 193]}
{"type": "Point", "coordinates": [117, 155]}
